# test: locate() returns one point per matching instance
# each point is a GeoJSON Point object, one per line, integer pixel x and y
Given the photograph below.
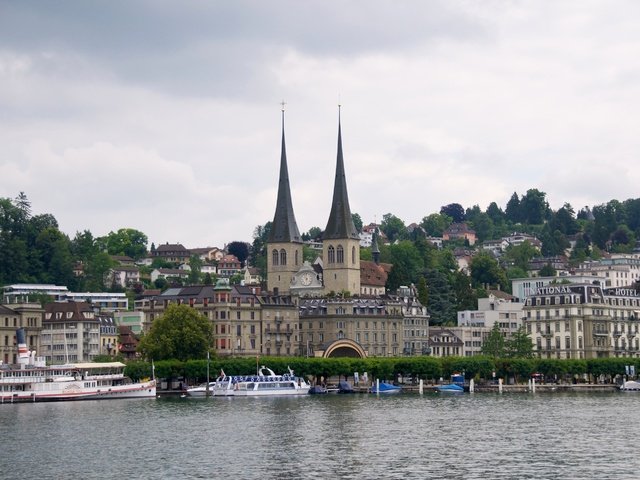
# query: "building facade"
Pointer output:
{"type": "Point", "coordinates": [584, 321]}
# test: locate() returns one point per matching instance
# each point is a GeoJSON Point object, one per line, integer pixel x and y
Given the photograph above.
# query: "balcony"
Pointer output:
{"type": "Point", "coordinates": [600, 333]}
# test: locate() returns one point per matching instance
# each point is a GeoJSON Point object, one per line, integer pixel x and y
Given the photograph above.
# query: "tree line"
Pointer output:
{"type": "Point", "coordinates": [430, 369]}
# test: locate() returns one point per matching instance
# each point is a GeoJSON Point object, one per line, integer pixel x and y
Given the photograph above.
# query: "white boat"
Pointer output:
{"type": "Point", "coordinates": [32, 381]}
{"type": "Point", "coordinates": [201, 390]}
{"type": "Point", "coordinates": [630, 386]}
{"type": "Point", "coordinates": [264, 383]}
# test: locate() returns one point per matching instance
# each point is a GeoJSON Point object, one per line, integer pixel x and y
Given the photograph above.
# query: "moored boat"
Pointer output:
{"type": "Point", "coordinates": [201, 390]}
{"type": "Point", "coordinates": [450, 388]}
{"type": "Point", "coordinates": [384, 387]}
{"type": "Point", "coordinates": [30, 380]}
{"type": "Point", "coordinates": [267, 383]}
{"type": "Point", "coordinates": [630, 386]}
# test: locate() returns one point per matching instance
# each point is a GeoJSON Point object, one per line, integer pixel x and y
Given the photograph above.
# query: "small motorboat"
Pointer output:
{"type": "Point", "coordinates": [450, 388]}
{"type": "Point", "coordinates": [630, 386]}
{"type": "Point", "coordinates": [318, 390]}
{"type": "Point", "coordinates": [345, 387]}
{"type": "Point", "coordinates": [384, 387]}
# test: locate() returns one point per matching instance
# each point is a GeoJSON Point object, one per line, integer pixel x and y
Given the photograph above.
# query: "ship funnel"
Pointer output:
{"type": "Point", "coordinates": [23, 351]}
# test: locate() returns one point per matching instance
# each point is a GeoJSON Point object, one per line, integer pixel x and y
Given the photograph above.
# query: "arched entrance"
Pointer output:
{"type": "Point", "coordinates": [344, 348]}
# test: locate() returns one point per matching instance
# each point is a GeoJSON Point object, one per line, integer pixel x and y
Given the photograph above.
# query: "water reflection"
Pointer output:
{"type": "Point", "coordinates": [352, 436]}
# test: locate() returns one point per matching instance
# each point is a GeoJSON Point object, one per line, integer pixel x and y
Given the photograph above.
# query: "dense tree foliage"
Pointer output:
{"type": "Point", "coordinates": [181, 333]}
{"type": "Point", "coordinates": [240, 250]}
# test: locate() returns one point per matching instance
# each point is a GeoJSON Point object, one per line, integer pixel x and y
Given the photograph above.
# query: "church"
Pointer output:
{"type": "Point", "coordinates": [340, 270]}
{"type": "Point", "coordinates": [337, 316]}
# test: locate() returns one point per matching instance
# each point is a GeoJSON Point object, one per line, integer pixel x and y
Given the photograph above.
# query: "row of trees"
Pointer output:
{"type": "Point", "coordinates": [430, 369]}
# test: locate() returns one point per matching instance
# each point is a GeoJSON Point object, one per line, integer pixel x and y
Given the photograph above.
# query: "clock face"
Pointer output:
{"type": "Point", "coordinates": [306, 279]}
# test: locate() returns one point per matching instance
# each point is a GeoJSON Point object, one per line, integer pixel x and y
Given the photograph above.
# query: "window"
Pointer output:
{"type": "Point", "coordinates": [331, 254]}
{"type": "Point", "coordinates": [275, 257]}
{"type": "Point", "coordinates": [353, 254]}
{"type": "Point", "coordinates": [340, 256]}
{"type": "Point", "coordinates": [283, 257]}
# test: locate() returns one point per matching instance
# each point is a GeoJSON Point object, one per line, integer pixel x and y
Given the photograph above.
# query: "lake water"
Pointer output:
{"type": "Point", "coordinates": [483, 436]}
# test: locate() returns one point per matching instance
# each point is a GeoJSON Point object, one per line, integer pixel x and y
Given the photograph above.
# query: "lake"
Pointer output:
{"type": "Point", "coordinates": [483, 436]}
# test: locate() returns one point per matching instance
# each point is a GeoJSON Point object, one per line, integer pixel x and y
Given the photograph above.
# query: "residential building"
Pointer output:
{"type": "Point", "coordinates": [460, 231]}
{"type": "Point", "coordinates": [228, 266]}
{"type": "Point", "coordinates": [445, 342]}
{"type": "Point", "coordinates": [108, 334]}
{"type": "Point", "coordinates": [123, 276]}
{"type": "Point", "coordinates": [127, 343]}
{"type": "Point", "coordinates": [499, 307]}
{"type": "Point", "coordinates": [168, 274]}
{"type": "Point", "coordinates": [104, 301]}
{"type": "Point", "coordinates": [70, 333]}
{"type": "Point", "coordinates": [19, 314]}
{"type": "Point", "coordinates": [135, 321]}
{"type": "Point", "coordinates": [174, 253]}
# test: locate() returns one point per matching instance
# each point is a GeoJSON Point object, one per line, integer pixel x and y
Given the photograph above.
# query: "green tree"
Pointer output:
{"type": "Point", "coordinates": [406, 261]}
{"type": "Point", "coordinates": [435, 224]}
{"type": "Point", "coordinates": [486, 271]}
{"type": "Point", "coordinates": [465, 295]}
{"type": "Point", "coordinates": [521, 254]}
{"type": "Point", "coordinates": [441, 303]}
{"type": "Point", "coordinates": [126, 241]}
{"type": "Point", "coordinates": [494, 344]}
{"type": "Point", "coordinates": [453, 210]}
{"type": "Point", "coordinates": [181, 333]}
{"type": "Point", "coordinates": [314, 233]}
{"type": "Point", "coordinates": [513, 212]}
{"type": "Point", "coordinates": [393, 227]}
{"type": "Point", "coordinates": [96, 271]}
{"type": "Point", "coordinates": [519, 345]}
{"type": "Point", "coordinates": [240, 250]}
{"type": "Point", "coordinates": [547, 271]}
{"type": "Point", "coordinates": [534, 207]}
{"type": "Point", "coordinates": [195, 274]}
{"type": "Point", "coordinates": [357, 221]}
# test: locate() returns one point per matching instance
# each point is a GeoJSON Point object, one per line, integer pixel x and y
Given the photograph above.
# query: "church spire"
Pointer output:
{"type": "Point", "coordinates": [340, 224]}
{"type": "Point", "coordinates": [375, 250]}
{"type": "Point", "coordinates": [284, 227]}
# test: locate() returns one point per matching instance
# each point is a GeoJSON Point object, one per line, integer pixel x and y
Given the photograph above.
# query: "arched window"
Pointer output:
{"type": "Point", "coordinates": [275, 257]}
{"type": "Point", "coordinates": [353, 255]}
{"type": "Point", "coordinates": [340, 334]}
{"type": "Point", "coordinates": [331, 254]}
{"type": "Point", "coordinates": [340, 254]}
{"type": "Point", "coordinates": [296, 257]}
{"type": "Point", "coordinates": [283, 257]}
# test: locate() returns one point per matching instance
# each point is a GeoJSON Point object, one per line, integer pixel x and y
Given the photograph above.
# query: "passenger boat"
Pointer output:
{"type": "Point", "coordinates": [265, 383]}
{"type": "Point", "coordinates": [384, 387]}
{"type": "Point", "coordinates": [30, 380]}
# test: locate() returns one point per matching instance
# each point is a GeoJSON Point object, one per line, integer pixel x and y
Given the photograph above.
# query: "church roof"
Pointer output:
{"type": "Point", "coordinates": [340, 224]}
{"type": "Point", "coordinates": [284, 227]}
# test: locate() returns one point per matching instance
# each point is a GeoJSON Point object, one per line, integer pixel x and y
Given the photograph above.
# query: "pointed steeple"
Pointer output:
{"type": "Point", "coordinates": [284, 227]}
{"type": "Point", "coordinates": [375, 250]}
{"type": "Point", "coordinates": [340, 224]}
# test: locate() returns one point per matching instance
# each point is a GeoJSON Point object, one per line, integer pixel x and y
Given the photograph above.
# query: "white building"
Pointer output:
{"type": "Point", "coordinates": [475, 325]}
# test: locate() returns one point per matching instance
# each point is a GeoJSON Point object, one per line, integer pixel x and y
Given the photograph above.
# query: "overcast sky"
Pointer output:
{"type": "Point", "coordinates": [164, 116]}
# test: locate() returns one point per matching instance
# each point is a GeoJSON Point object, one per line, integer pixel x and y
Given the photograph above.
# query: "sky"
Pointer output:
{"type": "Point", "coordinates": [165, 116]}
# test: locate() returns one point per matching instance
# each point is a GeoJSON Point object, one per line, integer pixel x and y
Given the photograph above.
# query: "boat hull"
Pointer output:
{"type": "Point", "coordinates": [74, 392]}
